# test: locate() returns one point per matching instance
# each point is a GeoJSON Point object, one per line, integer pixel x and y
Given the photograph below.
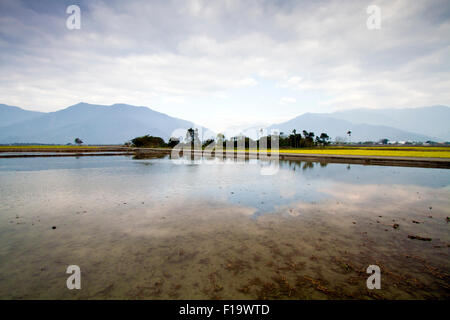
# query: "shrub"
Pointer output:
{"type": "Point", "coordinates": [148, 141]}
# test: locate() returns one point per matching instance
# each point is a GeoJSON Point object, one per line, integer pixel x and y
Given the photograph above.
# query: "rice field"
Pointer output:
{"type": "Point", "coordinates": [414, 152]}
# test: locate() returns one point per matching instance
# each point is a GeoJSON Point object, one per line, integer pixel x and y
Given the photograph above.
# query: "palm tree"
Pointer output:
{"type": "Point", "coordinates": [192, 137]}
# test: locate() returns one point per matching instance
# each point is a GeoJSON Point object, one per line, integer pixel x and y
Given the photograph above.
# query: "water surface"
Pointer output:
{"type": "Point", "coordinates": [154, 229]}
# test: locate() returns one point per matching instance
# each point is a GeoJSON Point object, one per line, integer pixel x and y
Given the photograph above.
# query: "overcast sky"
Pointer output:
{"type": "Point", "coordinates": [225, 63]}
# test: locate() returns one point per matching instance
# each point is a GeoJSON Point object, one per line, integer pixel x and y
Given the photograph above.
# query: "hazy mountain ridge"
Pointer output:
{"type": "Point", "coordinates": [411, 124]}
{"type": "Point", "coordinates": [431, 121]}
{"type": "Point", "coordinates": [101, 124]}
{"type": "Point", "coordinates": [337, 128]}
{"type": "Point", "coordinates": [94, 124]}
{"type": "Point", "coordinates": [10, 115]}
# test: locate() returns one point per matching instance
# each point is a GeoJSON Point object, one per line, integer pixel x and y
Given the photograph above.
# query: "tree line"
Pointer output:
{"type": "Point", "coordinates": [294, 140]}
{"type": "Point", "coordinates": [308, 140]}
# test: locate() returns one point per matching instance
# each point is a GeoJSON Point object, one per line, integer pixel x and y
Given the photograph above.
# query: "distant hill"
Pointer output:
{"type": "Point", "coordinates": [94, 124]}
{"type": "Point", "coordinates": [10, 115]}
{"type": "Point", "coordinates": [412, 124]}
{"type": "Point", "coordinates": [335, 127]}
{"type": "Point", "coordinates": [431, 121]}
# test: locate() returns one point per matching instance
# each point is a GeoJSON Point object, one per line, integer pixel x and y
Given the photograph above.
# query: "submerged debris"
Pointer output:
{"type": "Point", "coordinates": [278, 288]}
{"type": "Point", "coordinates": [237, 266]}
{"type": "Point", "coordinates": [419, 238]}
{"type": "Point", "coordinates": [214, 286]}
{"type": "Point", "coordinates": [395, 226]}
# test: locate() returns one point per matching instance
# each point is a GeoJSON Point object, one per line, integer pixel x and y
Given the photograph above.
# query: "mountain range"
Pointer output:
{"type": "Point", "coordinates": [94, 124]}
{"type": "Point", "coordinates": [432, 121]}
{"type": "Point", "coordinates": [363, 129]}
{"type": "Point", "coordinates": [118, 123]}
{"type": "Point", "coordinates": [409, 124]}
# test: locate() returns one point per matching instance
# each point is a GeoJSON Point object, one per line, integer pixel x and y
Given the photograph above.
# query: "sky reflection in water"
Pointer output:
{"type": "Point", "coordinates": [151, 228]}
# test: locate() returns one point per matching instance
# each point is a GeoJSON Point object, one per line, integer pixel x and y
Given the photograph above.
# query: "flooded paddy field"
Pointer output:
{"type": "Point", "coordinates": [211, 229]}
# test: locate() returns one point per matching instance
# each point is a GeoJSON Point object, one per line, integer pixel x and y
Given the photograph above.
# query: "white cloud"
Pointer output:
{"type": "Point", "coordinates": [173, 99]}
{"type": "Point", "coordinates": [143, 53]}
{"type": "Point", "coordinates": [285, 100]}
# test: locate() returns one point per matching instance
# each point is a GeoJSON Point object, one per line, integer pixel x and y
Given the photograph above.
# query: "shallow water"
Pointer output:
{"type": "Point", "coordinates": [154, 229]}
{"type": "Point", "coordinates": [60, 154]}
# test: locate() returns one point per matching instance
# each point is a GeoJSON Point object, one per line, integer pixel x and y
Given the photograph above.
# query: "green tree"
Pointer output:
{"type": "Point", "coordinates": [192, 137]}
{"type": "Point", "coordinates": [309, 139]}
{"type": "Point", "coordinates": [220, 138]}
{"type": "Point", "coordinates": [173, 142]}
{"type": "Point", "coordinates": [207, 143]}
{"type": "Point", "coordinates": [323, 139]}
{"type": "Point", "coordinates": [148, 141]}
{"type": "Point", "coordinates": [295, 139]}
